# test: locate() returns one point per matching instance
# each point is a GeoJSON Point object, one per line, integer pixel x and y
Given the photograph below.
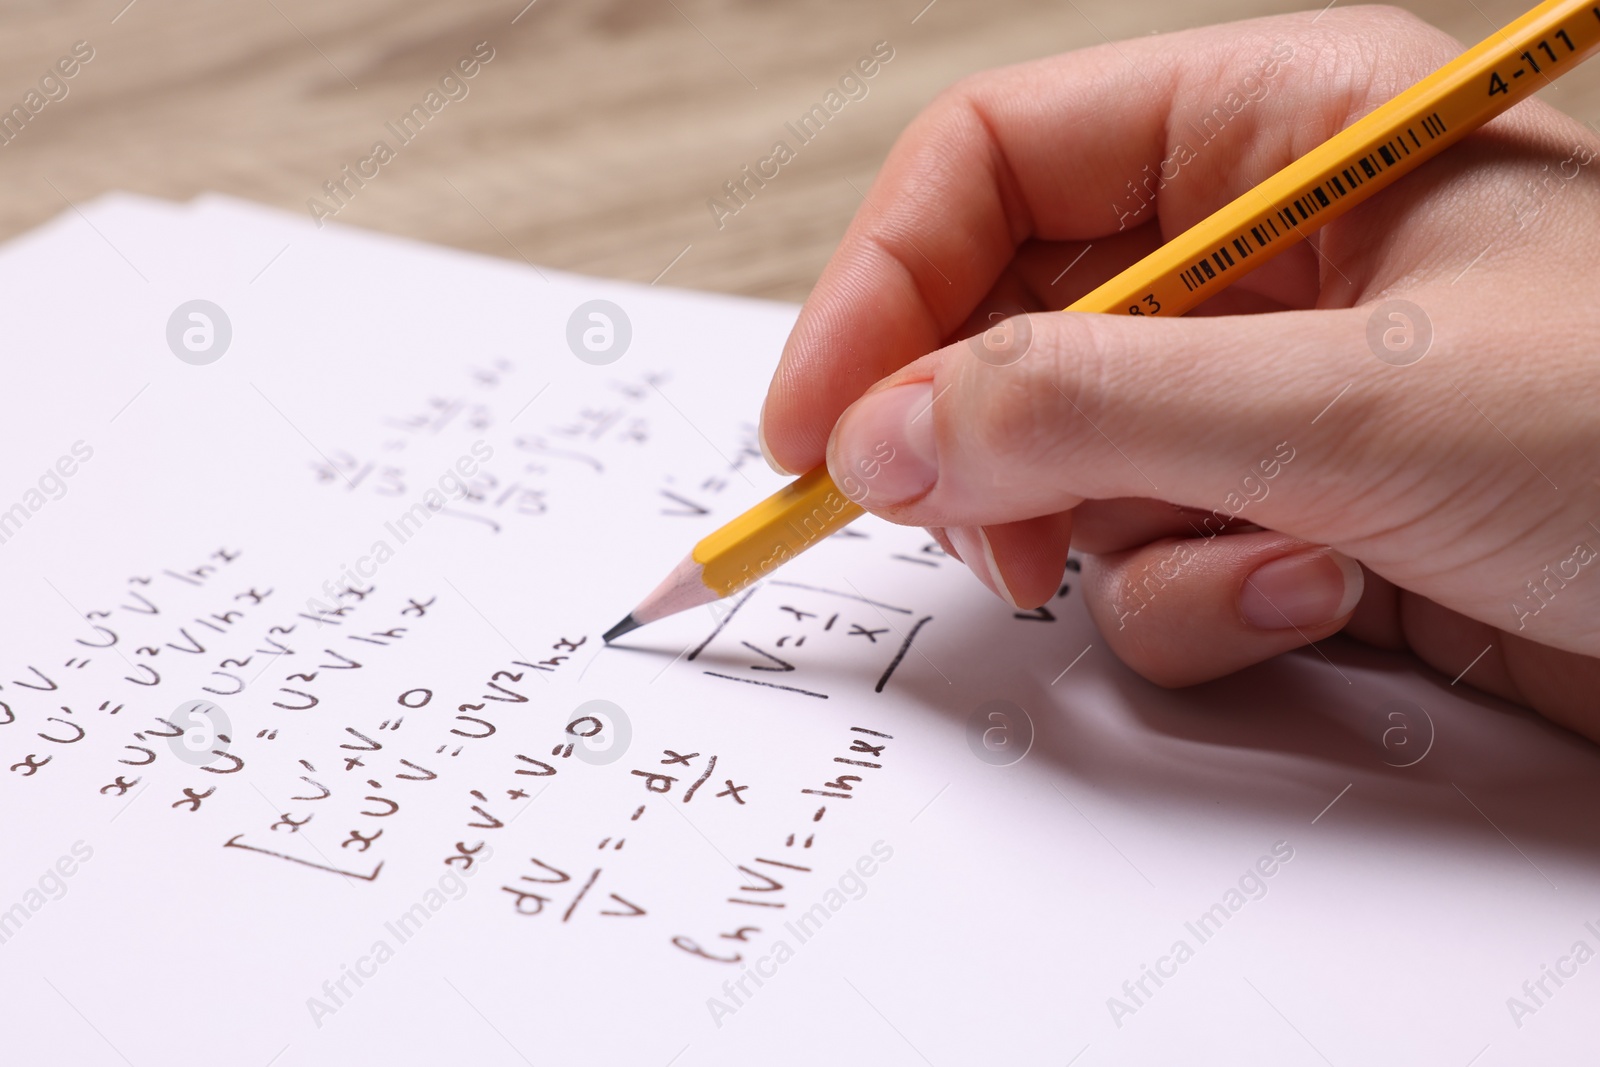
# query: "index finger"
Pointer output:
{"type": "Point", "coordinates": [1070, 148]}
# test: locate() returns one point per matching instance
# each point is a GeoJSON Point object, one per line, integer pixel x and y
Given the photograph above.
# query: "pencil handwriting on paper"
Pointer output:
{"type": "Point", "coordinates": [339, 728]}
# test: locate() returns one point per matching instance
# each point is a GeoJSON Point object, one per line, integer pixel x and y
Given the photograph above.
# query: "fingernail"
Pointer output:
{"type": "Point", "coordinates": [943, 537]}
{"type": "Point", "coordinates": [1305, 589]}
{"type": "Point", "coordinates": [761, 443]}
{"type": "Point", "coordinates": [884, 452]}
{"type": "Point", "coordinates": [972, 545]}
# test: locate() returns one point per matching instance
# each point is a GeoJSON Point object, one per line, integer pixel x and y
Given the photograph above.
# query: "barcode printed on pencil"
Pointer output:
{"type": "Point", "coordinates": [1287, 218]}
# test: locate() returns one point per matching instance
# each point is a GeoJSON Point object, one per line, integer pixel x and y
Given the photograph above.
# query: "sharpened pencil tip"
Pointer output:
{"type": "Point", "coordinates": [627, 625]}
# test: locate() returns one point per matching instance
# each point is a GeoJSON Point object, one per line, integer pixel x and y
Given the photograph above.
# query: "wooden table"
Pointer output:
{"type": "Point", "coordinates": [592, 139]}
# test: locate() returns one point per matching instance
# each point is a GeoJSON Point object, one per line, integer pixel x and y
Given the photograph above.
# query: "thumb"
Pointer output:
{"type": "Point", "coordinates": [1047, 410]}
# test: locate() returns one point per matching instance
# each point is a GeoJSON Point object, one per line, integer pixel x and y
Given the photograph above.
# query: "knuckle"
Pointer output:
{"type": "Point", "coordinates": [1384, 22]}
{"type": "Point", "coordinates": [1354, 51]}
{"type": "Point", "coordinates": [972, 90]}
{"type": "Point", "coordinates": [1029, 412]}
{"type": "Point", "coordinates": [952, 114]}
{"type": "Point", "coordinates": [1394, 17]}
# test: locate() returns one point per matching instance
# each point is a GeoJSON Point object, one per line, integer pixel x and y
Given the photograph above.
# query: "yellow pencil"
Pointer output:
{"type": "Point", "coordinates": [1315, 189]}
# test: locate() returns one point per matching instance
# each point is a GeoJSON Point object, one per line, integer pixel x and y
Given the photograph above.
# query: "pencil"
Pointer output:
{"type": "Point", "coordinates": [1315, 189]}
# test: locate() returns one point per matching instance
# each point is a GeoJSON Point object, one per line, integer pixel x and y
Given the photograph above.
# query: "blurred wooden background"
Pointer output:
{"type": "Point", "coordinates": [591, 141]}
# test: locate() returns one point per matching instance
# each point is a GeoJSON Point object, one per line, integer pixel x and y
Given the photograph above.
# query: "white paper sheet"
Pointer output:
{"type": "Point", "coordinates": [355, 875]}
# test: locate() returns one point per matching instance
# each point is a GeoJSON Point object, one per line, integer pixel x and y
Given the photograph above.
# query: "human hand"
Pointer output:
{"type": "Point", "coordinates": [1226, 471]}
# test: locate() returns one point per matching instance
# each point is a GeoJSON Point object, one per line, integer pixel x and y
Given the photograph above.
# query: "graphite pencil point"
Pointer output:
{"type": "Point", "coordinates": [627, 625]}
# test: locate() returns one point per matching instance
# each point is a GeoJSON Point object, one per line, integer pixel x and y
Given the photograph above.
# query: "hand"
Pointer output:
{"type": "Point", "coordinates": [1227, 470]}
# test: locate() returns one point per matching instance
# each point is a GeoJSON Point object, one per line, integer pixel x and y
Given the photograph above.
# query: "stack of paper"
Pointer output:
{"type": "Point", "coordinates": [310, 752]}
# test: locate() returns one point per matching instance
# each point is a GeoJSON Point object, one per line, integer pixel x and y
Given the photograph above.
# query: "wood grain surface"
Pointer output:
{"type": "Point", "coordinates": [592, 139]}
